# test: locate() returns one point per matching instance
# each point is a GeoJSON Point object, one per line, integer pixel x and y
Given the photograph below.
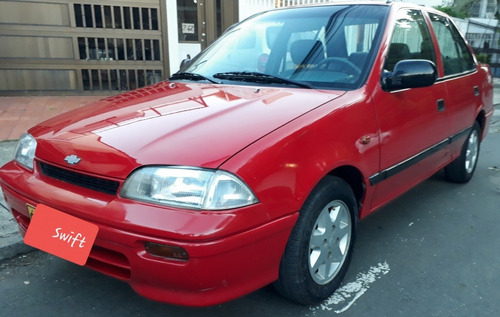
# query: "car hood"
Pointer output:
{"type": "Point", "coordinates": [170, 124]}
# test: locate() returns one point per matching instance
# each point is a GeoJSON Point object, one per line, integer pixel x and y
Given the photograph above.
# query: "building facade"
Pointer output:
{"type": "Point", "coordinates": [482, 30]}
{"type": "Point", "coordinates": [94, 47]}
{"type": "Point", "coordinates": [484, 9]}
{"type": "Point", "coordinates": [107, 46]}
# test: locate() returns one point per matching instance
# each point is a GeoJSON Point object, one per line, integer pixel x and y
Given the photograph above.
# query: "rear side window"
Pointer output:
{"type": "Point", "coordinates": [410, 40]}
{"type": "Point", "coordinates": [454, 51]}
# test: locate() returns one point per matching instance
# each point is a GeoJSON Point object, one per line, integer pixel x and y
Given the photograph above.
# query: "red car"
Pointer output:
{"type": "Point", "coordinates": [254, 163]}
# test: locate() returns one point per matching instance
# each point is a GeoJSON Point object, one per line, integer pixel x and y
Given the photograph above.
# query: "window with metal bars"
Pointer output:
{"type": "Point", "coordinates": [115, 17]}
{"type": "Point", "coordinates": [119, 79]}
{"type": "Point", "coordinates": [109, 49]}
{"type": "Point", "coordinates": [127, 61]}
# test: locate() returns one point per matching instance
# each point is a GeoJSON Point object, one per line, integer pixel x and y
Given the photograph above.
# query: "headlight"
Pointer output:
{"type": "Point", "coordinates": [194, 188]}
{"type": "Point", "coordinates": [25, 151]}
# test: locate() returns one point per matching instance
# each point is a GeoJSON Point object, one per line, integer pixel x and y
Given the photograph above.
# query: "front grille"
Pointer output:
{"type": "Point", "coordinates": [95, 183]}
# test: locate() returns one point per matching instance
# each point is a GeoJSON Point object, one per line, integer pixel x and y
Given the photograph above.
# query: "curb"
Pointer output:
{"type": "Point", "coordinates": [13, 248]}
{"type": "Point", "coordinates": [496, 82]}
{"type": "Point", "coordinates": [11, 241]}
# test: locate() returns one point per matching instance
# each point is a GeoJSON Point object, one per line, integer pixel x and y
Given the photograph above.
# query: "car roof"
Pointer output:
{"type": "Point", "coordinates": [389, 3]}
{"type": "Point", "coordinates": [365, 2]}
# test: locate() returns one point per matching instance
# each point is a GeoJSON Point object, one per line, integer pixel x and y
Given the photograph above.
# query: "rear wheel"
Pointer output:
{"type": "Point", "coordinates": [463, 167]}
{"type": "Point", "coordinates": [319, 250]}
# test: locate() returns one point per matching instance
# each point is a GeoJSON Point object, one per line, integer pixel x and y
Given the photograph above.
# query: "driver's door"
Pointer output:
{"type": "Point", "coordinates": [413, 122]}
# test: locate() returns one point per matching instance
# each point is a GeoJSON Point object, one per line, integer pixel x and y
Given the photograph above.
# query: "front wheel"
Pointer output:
{"type": "Point", "coordinates": [319, 250]}
{"type": "Point", "coordinates": [463, 167]}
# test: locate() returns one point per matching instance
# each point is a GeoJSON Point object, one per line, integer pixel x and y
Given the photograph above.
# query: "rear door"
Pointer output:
{"type": "Point", "coordinates": [460, 75]}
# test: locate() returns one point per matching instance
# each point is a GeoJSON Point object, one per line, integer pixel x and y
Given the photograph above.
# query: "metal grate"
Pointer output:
{"type": "Point", "coordinates": [116, 17]}
{"type": "Point", "coordinates": [117, 49]}
{"type": "Point", "coordinates": [126, 40]}
{"type": "Point", "coordinates": [95, 183]}
{"type": "Point", "coordinates": [119, 79]}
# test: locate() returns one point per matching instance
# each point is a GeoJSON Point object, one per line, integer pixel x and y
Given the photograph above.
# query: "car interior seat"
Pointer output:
{"type": "Point", "coordinates": [307, 52]}
{"type": "Point", "coordinates": [397, 52]}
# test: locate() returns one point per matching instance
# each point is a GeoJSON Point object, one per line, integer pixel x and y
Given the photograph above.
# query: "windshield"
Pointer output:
{"type": "Point", "coordinates": [316, 47]}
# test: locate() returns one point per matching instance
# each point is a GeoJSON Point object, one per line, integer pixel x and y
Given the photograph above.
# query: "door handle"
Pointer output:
{"type": "Point", "coordinates": [440, 105]}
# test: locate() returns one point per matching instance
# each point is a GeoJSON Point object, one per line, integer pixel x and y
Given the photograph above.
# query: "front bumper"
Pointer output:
{"type": "Point", "coordinates": [230, 253]}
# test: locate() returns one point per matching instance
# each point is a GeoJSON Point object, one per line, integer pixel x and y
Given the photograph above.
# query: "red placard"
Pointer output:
{"type": "Point", "coordinates": [61, 234]}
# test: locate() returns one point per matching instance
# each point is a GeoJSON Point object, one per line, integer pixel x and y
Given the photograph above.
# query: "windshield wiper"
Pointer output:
{"type": "Point", "coordinates": [256, 77]}
{"type": "Point", "coordinates": [192, 76]}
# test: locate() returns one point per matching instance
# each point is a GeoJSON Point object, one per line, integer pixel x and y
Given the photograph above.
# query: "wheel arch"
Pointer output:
{"type": "Point", "coordinates": [481, 120]}
{"type": "Point", "coordinates": [354, 178]}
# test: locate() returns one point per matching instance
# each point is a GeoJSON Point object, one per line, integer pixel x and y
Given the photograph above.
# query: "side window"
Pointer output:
{"type": "Point", "coordinates": [411, 39]}
{"type": "Point", "coordinates": [454, 52]}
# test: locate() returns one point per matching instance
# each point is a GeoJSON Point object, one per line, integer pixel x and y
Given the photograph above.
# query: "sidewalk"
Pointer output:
{"type": "Point", "coordinates": [18, 114]}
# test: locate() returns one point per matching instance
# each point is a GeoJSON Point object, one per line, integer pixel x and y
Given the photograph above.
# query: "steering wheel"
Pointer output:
{"type": "Point", "coordinates": [342, 65]}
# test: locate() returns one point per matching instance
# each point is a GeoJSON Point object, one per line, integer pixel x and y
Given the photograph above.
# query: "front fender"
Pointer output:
{"type": "Point", "coordinates": [283, 167]}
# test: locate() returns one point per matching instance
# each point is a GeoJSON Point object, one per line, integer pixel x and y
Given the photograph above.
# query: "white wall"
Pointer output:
{"type": "Point", "coordinates": [177, 51]}
{"type": "Point", "coordinates": [250, 7]}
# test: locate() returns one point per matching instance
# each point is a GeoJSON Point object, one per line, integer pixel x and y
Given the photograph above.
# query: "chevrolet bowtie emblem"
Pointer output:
{"type": "Point", "coordinates": [72, 159]}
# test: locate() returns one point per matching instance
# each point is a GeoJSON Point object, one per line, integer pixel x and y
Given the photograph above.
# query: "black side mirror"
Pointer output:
{"type": "Point", "coordinates": [411, 73]}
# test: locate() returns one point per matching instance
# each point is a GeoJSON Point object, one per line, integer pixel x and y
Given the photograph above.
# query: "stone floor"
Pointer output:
{"type": "Point", "coordinates": [18, 114]}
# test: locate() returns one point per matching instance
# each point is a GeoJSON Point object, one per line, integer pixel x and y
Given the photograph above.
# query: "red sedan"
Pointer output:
{"type": "Point", "coordinates": [253, 164]}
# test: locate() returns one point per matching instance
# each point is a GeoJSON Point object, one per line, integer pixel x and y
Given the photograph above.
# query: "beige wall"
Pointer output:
{"type": "Point", "coordinates": [18, 12]}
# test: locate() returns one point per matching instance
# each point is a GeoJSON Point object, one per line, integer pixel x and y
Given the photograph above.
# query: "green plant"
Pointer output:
{"type": "Point", "coordinates": [483, 58]}
{"type": "Point", "coordinates": [450, 8]}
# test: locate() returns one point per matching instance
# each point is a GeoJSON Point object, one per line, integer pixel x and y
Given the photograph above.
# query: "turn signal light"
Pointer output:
{"type": "Point", "coordinates": [167, 251]}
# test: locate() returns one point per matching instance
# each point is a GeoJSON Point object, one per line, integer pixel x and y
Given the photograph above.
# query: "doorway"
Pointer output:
{"type": "Point", "coordinates": [201, 22]}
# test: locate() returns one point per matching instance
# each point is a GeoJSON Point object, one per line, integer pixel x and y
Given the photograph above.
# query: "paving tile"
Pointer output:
{"type": "Point", "coordinates": [18, 114]}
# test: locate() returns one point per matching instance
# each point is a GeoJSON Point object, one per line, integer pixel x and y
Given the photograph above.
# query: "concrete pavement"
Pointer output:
{"type": "Point", "coordinates": [11, 243]}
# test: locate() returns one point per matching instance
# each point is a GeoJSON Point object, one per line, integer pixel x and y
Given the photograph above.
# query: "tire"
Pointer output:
{"type": "Point", "coordinates": [463, 167]}
{"type": "Point", "coordinates": [320, 246]}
